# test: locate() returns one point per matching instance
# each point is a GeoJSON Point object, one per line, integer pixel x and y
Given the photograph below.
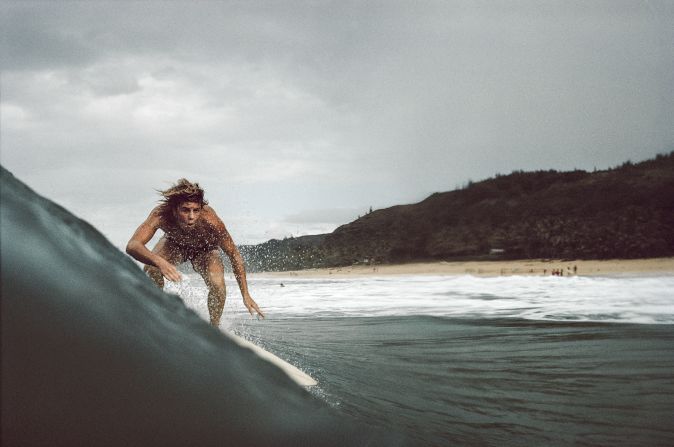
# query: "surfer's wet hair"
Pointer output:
{"type": "Point", "coordinates": [182, 191]}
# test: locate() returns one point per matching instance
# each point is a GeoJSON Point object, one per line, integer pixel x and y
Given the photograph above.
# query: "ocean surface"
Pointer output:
{"type": "Point", "coordinates": [94, 354]}
{"type": "Point", "coordinates": [462, 360]}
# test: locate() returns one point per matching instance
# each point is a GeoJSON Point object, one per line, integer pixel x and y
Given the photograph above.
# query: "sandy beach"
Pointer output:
{"type": "Point", "coordinates": [653, 266]}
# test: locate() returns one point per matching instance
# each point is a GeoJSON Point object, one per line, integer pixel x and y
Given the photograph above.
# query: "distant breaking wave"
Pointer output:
{"type": "Point", "coordinates": [94, 354]}
{"type": "Point", "coordinates": [641, 300]}
{"type": "Point", "coordinates": [609, 299]}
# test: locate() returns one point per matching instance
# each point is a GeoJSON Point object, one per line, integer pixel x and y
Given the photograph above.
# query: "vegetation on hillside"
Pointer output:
{"type": "Point", "coordinates": [625, 212]}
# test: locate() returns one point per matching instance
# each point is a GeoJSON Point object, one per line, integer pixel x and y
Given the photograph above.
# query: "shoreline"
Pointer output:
{"type": "Point", "coordinates": [527, 267]}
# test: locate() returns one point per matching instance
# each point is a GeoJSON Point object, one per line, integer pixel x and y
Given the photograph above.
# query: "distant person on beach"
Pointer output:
{"type": "Point", "coordinates": [192, 232]}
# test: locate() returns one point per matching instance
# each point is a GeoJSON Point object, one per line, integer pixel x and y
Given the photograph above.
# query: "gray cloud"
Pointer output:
{"type": "Point", "coordinates": [283, 108]}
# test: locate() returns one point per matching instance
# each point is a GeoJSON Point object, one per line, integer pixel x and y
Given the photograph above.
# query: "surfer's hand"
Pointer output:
{"type": "Point", "coordinates": [170, 272]}
{"type": "Point", "coordinates": [251, 305]}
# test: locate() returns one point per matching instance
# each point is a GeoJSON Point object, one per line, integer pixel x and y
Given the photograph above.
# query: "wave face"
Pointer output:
{"type": "Point", "coordinates": [94, 354]}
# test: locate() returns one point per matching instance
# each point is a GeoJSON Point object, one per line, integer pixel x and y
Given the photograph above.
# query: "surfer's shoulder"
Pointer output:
{"type": "Point", "coordinates": [212, 218]}
{"type": "Point", "coordinates": [209, 214]}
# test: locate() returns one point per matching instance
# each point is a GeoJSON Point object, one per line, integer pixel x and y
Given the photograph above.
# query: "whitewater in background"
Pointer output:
{"type": "Point", "coordinates": [463, 360]}
{"type": "Point", "coordinates": [645, 300]}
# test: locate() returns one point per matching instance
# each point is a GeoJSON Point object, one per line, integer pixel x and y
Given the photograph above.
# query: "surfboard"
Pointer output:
{"type": "Point", "coordinates": [296, 374]}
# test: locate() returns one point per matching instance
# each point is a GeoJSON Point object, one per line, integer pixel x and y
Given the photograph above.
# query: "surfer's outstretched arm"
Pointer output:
{"type": "Point", "coordinates": [227, 244]}
{"type": "Point", "coordinates": [136, 248]}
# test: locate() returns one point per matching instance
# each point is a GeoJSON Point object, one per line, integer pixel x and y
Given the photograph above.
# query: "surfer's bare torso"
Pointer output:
{"type": "Point", "coordinates": [188, 242]}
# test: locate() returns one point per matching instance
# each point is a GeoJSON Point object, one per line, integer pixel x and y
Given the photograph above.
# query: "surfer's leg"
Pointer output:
{"type": "Point", "coordinates": [163, 249]}
{"type": "Point", "coordinates": [210, 267]}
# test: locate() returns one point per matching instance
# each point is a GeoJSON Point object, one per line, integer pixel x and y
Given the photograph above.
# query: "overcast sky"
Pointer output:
{"type": "Point", "coordinates": [298, 116]}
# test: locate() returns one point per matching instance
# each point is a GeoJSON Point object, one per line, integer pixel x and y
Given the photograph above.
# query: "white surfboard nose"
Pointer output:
{"type": "Point", "coordinates": [297, 375]}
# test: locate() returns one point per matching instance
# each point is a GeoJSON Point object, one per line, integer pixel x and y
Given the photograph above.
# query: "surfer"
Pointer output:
{"type": "Point", "coordinates": [192, 232]}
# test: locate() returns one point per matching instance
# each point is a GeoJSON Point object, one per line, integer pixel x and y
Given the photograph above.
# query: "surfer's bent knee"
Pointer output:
{"type": "Point", "coordinates": [217, 286]}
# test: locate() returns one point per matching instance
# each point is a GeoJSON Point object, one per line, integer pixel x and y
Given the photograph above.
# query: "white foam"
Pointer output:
{"type": "Point", "coordinates": [609, 299]}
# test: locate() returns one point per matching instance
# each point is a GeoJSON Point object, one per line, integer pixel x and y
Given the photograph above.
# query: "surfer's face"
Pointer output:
{"type": "Point", "coordinates": [188, 213]}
